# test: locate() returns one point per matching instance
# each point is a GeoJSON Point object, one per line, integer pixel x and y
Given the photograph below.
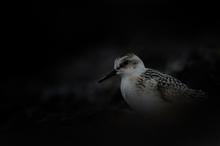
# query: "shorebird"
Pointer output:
{"type": "Point", "coordinates": [150, 91]}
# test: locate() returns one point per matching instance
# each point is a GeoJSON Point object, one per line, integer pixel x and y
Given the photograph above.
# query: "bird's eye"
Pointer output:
{"type": "Point", "coordinates": [125, 63]}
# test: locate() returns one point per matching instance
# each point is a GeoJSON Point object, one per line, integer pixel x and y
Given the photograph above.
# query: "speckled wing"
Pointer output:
{"type": "Point", "coordinates": [172, 89]}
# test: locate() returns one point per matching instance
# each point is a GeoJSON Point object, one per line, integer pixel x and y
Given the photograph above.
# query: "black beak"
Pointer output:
{"type": "Point", "coordinates": [112, 73]}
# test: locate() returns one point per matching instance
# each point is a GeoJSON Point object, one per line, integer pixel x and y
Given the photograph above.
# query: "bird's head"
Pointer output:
{"type": "Point", "coordinates": [129, 64]}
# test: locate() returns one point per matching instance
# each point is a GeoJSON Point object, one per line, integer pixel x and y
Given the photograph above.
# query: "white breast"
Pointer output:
{"type": "Point", "coordinates": [146, 99]}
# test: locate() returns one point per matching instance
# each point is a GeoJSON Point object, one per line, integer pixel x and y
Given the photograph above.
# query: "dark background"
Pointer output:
{"type": "Point", "coordinates": [58, 50]}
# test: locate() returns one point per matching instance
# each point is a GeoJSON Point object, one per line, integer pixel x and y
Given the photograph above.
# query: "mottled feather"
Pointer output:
{"type": "Point", "coordinates": [172, 89]}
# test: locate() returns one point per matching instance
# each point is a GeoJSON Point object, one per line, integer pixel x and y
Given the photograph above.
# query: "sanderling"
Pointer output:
{"type": "Point", "coordinates": [148, 90]}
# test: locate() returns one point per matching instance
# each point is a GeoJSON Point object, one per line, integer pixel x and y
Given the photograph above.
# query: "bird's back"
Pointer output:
{"type": "Point", "coordinates": [172, 89]}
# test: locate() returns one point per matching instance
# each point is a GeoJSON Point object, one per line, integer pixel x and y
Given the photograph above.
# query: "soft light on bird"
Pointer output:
{"type": "Point", "coordinates": [150, 91]}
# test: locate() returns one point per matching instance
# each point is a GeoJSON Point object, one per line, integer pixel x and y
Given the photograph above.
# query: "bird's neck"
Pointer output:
{"type": "Point", "coordinates": [137, 72]}
{"type": "Point", "coordinates": [141, 69]}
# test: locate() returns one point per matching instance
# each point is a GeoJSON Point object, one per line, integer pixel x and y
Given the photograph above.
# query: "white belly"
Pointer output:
{"type": "Point", "coordinates": [146, 100]}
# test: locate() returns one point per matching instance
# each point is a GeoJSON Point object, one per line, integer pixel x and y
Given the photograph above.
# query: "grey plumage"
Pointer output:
{"type": "Point", "coordinates": [171, 89]}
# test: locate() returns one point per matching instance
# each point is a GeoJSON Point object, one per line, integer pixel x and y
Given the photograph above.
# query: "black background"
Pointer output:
{"type": "Point", "coordinates": [58, 50]}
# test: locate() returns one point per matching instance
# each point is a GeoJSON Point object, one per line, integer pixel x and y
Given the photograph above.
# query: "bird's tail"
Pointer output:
{"type": "Point", "coordinates": [196, 95]}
